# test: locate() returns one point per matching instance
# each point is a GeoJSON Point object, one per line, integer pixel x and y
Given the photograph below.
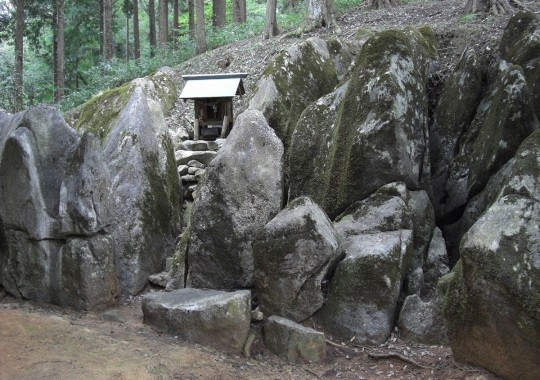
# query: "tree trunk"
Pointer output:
{"type": "Point", "coordinates": [127, 39]}
{"type": "Point", "coordinates": [320, 14]}
{"type": "Point", "coordinates": [101, 36]}
{"type": "Point", "coordinates": [219, 17]}
{"type": "Point", "coordinates": [152, 26]}
{"type": "Point", "coordinates": [201, 30]}
{"type": "Point", "coordinates": [239, 11]}
{"type": "Point", "coordinates": [136, 39]}
{"type": "Point", "coordinates": [19, 33]}
{"type": "Point", "coordinates": [492, 6]}
{"type": "Point", "coordinates": [191, 10]}
{"type": "Point", "coordinates": [270, 28]}
{"type": "Point", "coordinates": [377, 4]}
{"type": "Point", "coordinates": [108, 40]}
{"type": "Point", "coordinates": [163, 23]}
{"type": "Point", "coordinates": [60, 51]}
{"type": "Point", "coordinates": [175, 25]}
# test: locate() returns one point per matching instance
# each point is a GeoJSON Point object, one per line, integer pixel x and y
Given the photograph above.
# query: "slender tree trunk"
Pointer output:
{"type": "Point", "coordinates": [175, 25]}
{"type": "Point", "coordinates": [108, 40]}
{"type": "Point", "coordinates": [19, 32]}
{"type": "Point", "coordinates": [55, 49]}
{"type": "Point", "coordinates": [136, 39]}
{"type": "Point", "coordinates": [492, 6]}
{"type": "Point", "coordinates": [101, 34]}
{"type": "Point", "coordinates": [239, 11]}
{"type": "Point", "coordinates": [127, 39]}
{"type": "Point", "coordinates": [191, 10]}
{"type": "Point", "coordinates": [320, 14]}
{"type": "Point", "coordinates": [163, 23]}
{"type": "Point", "coordinates": [219, 17]}
{"type": "Point", "coordinates": [201, 30]}
{"type": "Point", "coordinates": [270, 29]}
{"type": "Point", "coordinates": [60, 51]}
{"type": "Point", "coordinates": [152, 26]}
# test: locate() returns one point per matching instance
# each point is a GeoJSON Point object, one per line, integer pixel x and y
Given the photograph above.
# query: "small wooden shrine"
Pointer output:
{"type": "Point", "coordinates": [213, 95]}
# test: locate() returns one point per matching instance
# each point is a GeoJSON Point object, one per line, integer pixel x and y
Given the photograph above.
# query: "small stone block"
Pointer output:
{"type": "Point", "coordinates": [294, 342]}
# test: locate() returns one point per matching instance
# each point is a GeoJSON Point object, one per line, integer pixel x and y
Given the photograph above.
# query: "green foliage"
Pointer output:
{"type": "Point", "coordinates": [470, 17]}
{"type": "Point", "coordinates": [86, 73]}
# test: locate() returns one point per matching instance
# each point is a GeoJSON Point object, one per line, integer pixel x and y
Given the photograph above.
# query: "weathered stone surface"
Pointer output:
{"type": "Point", "coordinates": [209, 317]}
{"type": "Point", "coordinates": [88, 275]}
{"type": "Point", "coordinates": [139, 154]}
{"type": "Point", "coordinates": [310, 159]}
{"type": "Point", "coordinates": [436, 264]}
{"type": "Point", "coordinates": [182, 157]}
{"type": "Point", "coordinates": [504, 118]}
{"type": "Point", "coordinates": [453, 115]}
{"type": "Point", "coordinates": [342, 56]}
{"type": "Point", "coordinates": [385, 210]}
{"type": "Point", "coordinates": [242, 192]}
{"type": "Point", "coordinates": [53, 201]}
{"type": "Point", "coordinates": [493, 307]}
{"type": "Point", "coordinates": [297, 77]}
{"type": "Point", "coordinates": [492, 303]}
{"type": "Point", "coordinates": [423, 221]}
{"type": "Point", "coordinates": [364, 291]}
{"type": "Point", "coordinates": [293, 255]}
{"type": "Point", "coordinates": [379, 136]}
{"type": "Point", "coordinates": [294, 342]}
{"type": "Point", "coordinates": [196, 164]}
{"type": "Point", "coordinates": [160, 279]}
{"type": "Point", "coordinates": [422, 321]}
{"type": "Point", "coordinates": [199, 145]}
{"type": "Point", "coordinates": [100, 114]}
{"type": "Point", "coordinates": [415, 281]}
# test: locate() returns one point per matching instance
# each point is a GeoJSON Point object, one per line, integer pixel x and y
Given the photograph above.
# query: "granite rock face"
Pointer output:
{"type": "Point", "coordinates": [242, 192]}
{"type": "Point", "coordinates": [294, 254]}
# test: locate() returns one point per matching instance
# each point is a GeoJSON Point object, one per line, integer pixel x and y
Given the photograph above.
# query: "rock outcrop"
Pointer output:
{"type": "Point", "coordinates": [242, 192]}
{"type": "Point", "coordinates": [54, 197]}
{"type": "Point", "coordinates": [373, 133]}
{"type": "Point", "coordinates": [99, 212]}
{"type": "Point", "coordinates": [299, 76]}
{"type": "Point", "coordinates": [492, 302]}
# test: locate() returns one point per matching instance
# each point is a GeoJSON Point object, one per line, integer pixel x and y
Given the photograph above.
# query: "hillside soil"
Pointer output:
{"type": "Point", "coordinates": [41, 341]}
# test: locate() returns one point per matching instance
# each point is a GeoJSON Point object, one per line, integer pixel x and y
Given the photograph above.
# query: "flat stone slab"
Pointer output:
{"type": "Point", "coordinates": [184, 156]}
{"type": "Point", "coordinates": [209, 317]}
{"type": "Point", "coordinates": [294, 342]}
{"type": "Point", "coordinates": [198, 145]}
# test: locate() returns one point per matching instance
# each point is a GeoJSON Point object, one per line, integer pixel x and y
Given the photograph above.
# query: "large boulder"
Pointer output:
{"type": "Point", "coordinates": [100, 114]}
{"type": "Point", "coordinates": [422, 321]}
{"type": "Point", "coordinates": [363, 294]}
{"type": "Point", "coordinates": [453, 116]}
{"type": "Point", "coordinates": [141, 161]}
{"type": "Point", "coordinates": [492, 304]}
{"type": "Point", "coordinates": [209, 317]}
{"type": "Point", "coordinates": [293, 255]}
{"type": "Point", "coordinates": [380, 129]}
{"type": "Point", "coordinates": [300, 75]}
{"type": "Point", "coordinates": [520, 44]}
{"type": "Point", "coordinates": [504, 118]}
{"type": "Point", "coordinates": [53, 205]}
{"type": "Point", "coordinates": [242, 192]}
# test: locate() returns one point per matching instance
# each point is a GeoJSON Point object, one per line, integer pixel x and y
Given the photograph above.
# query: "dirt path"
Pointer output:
{"type": "Point", "coordinates": [40, 341]}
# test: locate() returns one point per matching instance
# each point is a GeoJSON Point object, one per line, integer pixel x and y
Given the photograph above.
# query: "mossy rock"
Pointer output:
{"type": "Point", "coordinates": [520, 41]}
{"type": "Point", "coordinates": [100, 113]}
{"type": "Point", "coordinates": [379, 135]}
{"type": "Point", "coordinates": [297, 77]}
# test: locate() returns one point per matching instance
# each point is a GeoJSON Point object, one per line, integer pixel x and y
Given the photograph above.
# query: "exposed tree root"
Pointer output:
{"type": "Point", "coordinates": [398, 356]}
